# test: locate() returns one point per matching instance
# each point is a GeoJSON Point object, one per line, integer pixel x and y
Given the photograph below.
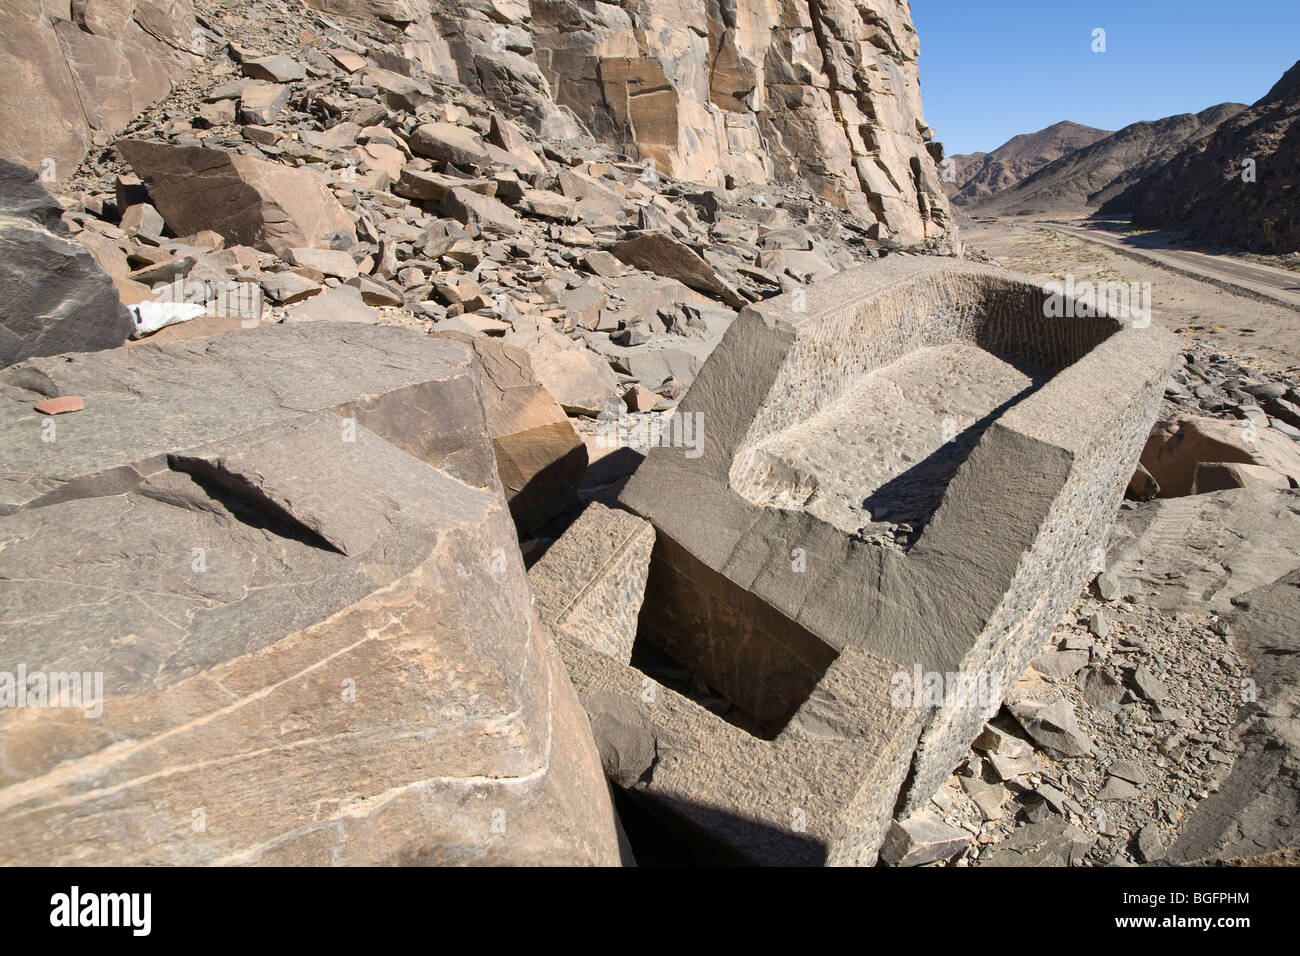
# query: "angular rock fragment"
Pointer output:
{"type": "Point", "coordinates": [1222, 475]}
{"type": "Point", "coordinates": [142, 219]}
{"type": "Point", "coordinates": [343, 304]}
{"type": "Point", "coordinates": [1151, 688]}
{"type": "Point", "coordinates": [1117, 789]}
{"type": "Point", "coordinates": [1173, 454]}
{"type": "Point", "coordinates": [420, 184]}
{"type": "Point", "coordinates": [1061, 664]}
{"type": "Point", "coordinates": [596, 203]}
{"type": "Point", "coordinates": [61, 405]}
{"type": "Point", "coordinates": [996, 741]}
{"type": "Point", "coordinates": [328, 262]}
{"type": "Point", "coordinates": [486, 213]}
{"type": "Point", "coordinates": [247, 201]}
{"type": "Point", "coordinates": [275, 69]}
{"type": "Point", "coordinates": [286, 288]}
{"type": "Point", "coordinates": [261, 103]}
{"type": "Point", "coordinates": [540, 459]}
{"type": "Point", "coordinates": [449, 143]}
{"type": "Point", "coordinates": [1053, 842]}
{"type": "Point", "coordinates": [1150, 844]}
{"type": "Point", "coordinates": [921, 838]}
{"type": "Point", "coordinates": [987, 797]}
{"type": "Point", "coordinates": [376, 292]}
{"type": "Point", "coordinates": [579, 380]}
{"type": "Point", "coordinates": [508, 137]}
{"type": "Point", "coordinates": [1142, 487]}
{"type": "Point", "coordinates": [548, 205]}
{"type": "Point", "coordinates": [663, 255]}
{"type": "Point", "coordinates": [1101, 691]}
{"type": "Point", "coordinates": [1053, 727]}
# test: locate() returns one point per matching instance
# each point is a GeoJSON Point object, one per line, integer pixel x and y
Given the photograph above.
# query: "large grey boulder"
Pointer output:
{"type": "Point", "coordinates": [286, 554]}
{"type": "Point", "coordinates": [54, 297]}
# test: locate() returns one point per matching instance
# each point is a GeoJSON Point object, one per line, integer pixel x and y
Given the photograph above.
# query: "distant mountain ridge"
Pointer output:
{"type": "Point", "coordinates": [1203, 188]}
{"type": "Point", "coordinates": [1083, 180]}
{"type": "Point", "coordinates": [980, 175]}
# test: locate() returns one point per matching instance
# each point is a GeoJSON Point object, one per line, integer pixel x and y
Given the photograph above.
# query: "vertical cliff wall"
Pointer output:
{"type": "Point", "coordinates": [721, 92]}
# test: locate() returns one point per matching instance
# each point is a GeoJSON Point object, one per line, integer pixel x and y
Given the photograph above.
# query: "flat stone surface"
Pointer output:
{"type": "Point", "coordinates": [1173, 554]}
{"type": "Point", "coordinates": [921, 416]}
{"type": "Point", "coordinates": [1255, 811]}
{"type": "Point", "coordinates": [342, 304]}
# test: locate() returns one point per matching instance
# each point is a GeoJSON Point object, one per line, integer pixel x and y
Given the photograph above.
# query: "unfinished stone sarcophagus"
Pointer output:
{"type": "Point", "coordinates": [907, 473]}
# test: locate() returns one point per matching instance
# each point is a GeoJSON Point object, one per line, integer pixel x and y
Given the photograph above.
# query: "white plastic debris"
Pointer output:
{"type": "Point", "coordinates": [148, 316]}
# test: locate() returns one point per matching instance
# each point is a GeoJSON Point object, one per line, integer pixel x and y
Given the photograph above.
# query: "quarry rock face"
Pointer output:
{"type": "Point", "coordinates": [750, 92]}
{"type": "Point", "coordinates": [591, 582]}
{"type": "Point", "coordinates": [86, 68]}
{"type": "Point", "coordinates": [306, 607]}
{"type": "Point", "coordinates": [642, 297]}
{"type": "Point", "coordinates": [54, 297]}
{"type": "Point", "coordinates": [828, 93]}
{"type": "Point", "coordinates": [829, 555]}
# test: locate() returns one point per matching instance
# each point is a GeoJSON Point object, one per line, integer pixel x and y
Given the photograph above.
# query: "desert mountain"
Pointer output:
{"type": "Point", "coordinates": [980, 175]}
{"type": "Point", "coordinates": [1079, 182]}
{"type": "Point", "coordinates": [1207, 189]}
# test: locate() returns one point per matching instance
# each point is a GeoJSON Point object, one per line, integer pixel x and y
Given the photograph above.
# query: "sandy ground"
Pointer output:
{"type": "Point", "coordinates": [1254, 332]}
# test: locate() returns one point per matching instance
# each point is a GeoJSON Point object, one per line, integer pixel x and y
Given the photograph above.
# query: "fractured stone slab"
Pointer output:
{"type": "Point", "coordinates": [540, 458]}
{"type": "Point", "coordinates": [305, 599]}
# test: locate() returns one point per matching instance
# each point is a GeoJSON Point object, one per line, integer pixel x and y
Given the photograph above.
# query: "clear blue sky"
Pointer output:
{"type": "Point", "coordinates": [993, 68]}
